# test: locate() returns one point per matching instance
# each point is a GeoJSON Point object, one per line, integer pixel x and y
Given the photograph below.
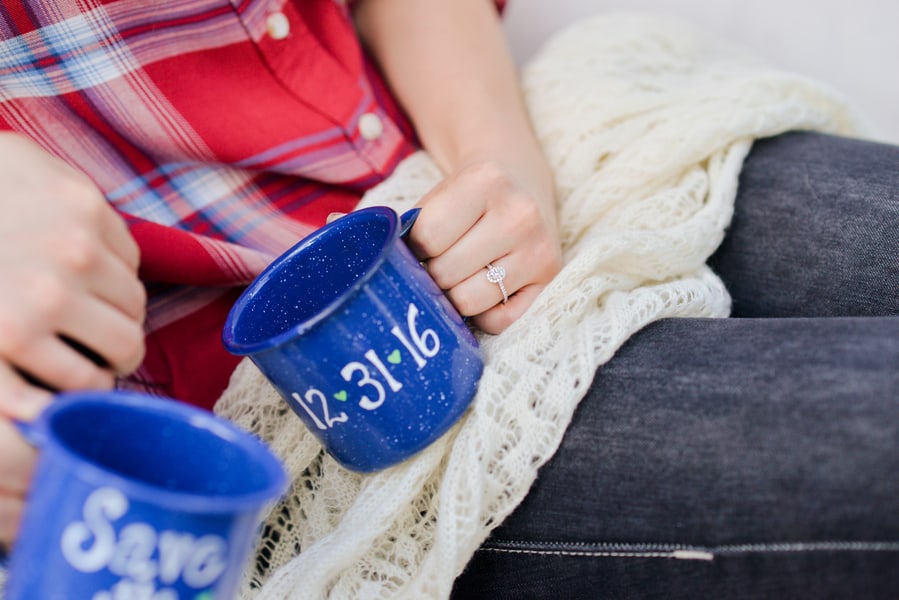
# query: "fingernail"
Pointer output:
{"type": "Point", "coordinates": [334, 216]}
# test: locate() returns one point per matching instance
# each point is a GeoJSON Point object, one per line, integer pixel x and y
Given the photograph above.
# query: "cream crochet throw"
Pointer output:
{"type": "Point", "coordinates": [645, 122]}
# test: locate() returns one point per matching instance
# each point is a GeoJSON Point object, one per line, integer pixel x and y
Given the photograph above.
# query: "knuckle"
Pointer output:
{"type": "Point", "coordinates": [530, 211]}
{"type": "Point", "coordinates": [135, 304]}
{"type": "Point", "coordinates": [520, 226]}
{"type": "Point", "coordinates": [133, 350]}
{"type": "Point", "coordinates": [548, 258]}
{"type": "Point", "coordinates": [423, 237]}
{"type": "Point", "coordinates": [524, 215]}
{"type": "Point", "coordinates": [81, 194]}
{"type": "Point", "coordinates": [49, 297]}
{"type": "Point", "coordinates": [438, 274]}
{"type": "Point", "coordinates": [78, 250]}
{"type": "Point", "coordinates": [125, 351]}
{"type": "Point", "coordinates": [84, 205]}
{"type": "Point", "coordinates": [13, 335]}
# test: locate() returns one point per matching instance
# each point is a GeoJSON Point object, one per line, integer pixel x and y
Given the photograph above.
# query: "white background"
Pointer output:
{"type": "Point", "coordinates": [853, 45]}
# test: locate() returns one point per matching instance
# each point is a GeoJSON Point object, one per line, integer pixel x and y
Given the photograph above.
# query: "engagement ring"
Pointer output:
{"type": "Point", "coordinates": [496, 274]}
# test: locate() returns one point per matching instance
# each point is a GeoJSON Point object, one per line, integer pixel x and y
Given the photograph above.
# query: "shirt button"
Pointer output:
{"type": "Point", "coordinates": [277, 25]}
{"type": "Point", "coordinates": [370, 126]}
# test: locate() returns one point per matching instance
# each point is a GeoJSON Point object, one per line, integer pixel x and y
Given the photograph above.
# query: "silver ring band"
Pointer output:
{"type": "Point", "coordinates": [496, 274]}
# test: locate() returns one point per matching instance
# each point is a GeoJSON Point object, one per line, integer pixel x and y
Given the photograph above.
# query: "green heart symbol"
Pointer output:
{"type": "Point", "coordinates": [341, 395]}
{"type": "Point", "coordinates": [395, 358]}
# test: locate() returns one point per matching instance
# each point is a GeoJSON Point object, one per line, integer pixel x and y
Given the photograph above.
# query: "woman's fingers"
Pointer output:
{"type": "Point", "coordinates": [90, 323]}
{"type": "Point", "coordinates": [69, 265]}
{"type": "Point", "coordinates": [17, 460]}
{"type": "Point", "coordinates": [99, 259]}
{"type": "Point", "coordinates": [449, 211]}
{"type": "Point", "coordinates": [480, 217]}
{"type": "Point", "coordinates": [17, 457]}
{"type": "Point", "coordinates": [11, 507]}
{"type": "Point", "coordinates": [477, 293]}
{"type": "Point", "coordinates": [19, 399]}
{"type": "Point", "coordinates": [466, 257]}
{"type": "Point", "coordinates": [49, 303]}
{"type": "Point", "coordinates": [116, 337]}
{"type": "Point", "coordinates": [508, 228]}
{"type": "Point", "coordinates": [497, 318]}
{"type": "Point", "coordinates": [59, 366]}
{"type": "Point", "coordinates": [105, 302]}
{"type": "Point", "coordinates": [112, 278]}
{"type": "Point", "coordinates": [119, 239]}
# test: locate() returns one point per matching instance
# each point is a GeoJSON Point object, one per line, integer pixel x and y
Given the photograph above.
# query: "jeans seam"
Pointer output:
{"type": "Point", "coordinates": [599, 554]}
{"type": "Point", "coordinates": [678, 551]}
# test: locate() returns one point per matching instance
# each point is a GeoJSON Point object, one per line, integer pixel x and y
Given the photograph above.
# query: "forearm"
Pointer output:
{"type": "Point", "coordinates": [448, 64]}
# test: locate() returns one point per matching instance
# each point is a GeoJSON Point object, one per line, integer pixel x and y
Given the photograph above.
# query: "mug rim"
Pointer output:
{"type": "Point", "coordinates": [288, 335]}
{"type": "Point", "coordinates": [142, 491]}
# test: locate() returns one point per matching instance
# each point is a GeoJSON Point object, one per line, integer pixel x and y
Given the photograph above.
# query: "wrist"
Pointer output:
{"type": "Point", "coordinates": [516, 150]}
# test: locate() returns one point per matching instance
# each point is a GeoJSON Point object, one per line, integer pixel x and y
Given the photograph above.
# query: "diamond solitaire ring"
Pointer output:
{"type": "Point", "coordinates": [496, 274]}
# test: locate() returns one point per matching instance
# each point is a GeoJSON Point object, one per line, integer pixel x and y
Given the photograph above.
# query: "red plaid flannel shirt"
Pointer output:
{"type": "Point", "coordinates": [223, 131]}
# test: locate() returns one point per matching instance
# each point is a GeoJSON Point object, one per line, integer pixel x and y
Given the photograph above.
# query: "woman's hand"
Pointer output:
{"type": "Point", "coordinates": [486, 214]}
{"type": "Point", "coordinates": [68, 268]}
{"type": "Point", "coordinates": [69, 272]}
{"type": "Point", "coordinates": [448, 65]}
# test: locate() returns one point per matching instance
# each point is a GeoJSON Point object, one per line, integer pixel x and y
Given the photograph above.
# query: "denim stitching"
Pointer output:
{"type": "Point", "coordinates": [677, 551]}
{"type": "Point", "coordinates": [600, 554]}
{"type": "Point", "coordinates": [829, 546]}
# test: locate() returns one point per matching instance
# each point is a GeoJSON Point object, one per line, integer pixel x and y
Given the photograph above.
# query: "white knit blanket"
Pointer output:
{"type": "Point", "coordinates": [645, 122]}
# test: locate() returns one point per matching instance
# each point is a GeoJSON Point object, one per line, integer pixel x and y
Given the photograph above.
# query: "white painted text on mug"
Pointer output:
{"type": "Point", "coordinates": [421, 346]}
{"type": "Point", "coordinates": [139, 554]}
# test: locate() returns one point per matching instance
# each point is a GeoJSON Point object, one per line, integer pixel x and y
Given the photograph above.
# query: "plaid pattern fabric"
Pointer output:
{"type": "Point", "coordinates": [221, 143]}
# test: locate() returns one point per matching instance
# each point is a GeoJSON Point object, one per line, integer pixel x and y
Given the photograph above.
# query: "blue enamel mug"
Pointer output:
{"type": "Point", "coordinates": [135, 496]}
{"type": "Point", "coordinates": [359, 340]}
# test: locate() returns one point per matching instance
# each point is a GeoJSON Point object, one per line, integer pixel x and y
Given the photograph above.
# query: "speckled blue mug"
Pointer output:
{"type": "Point", "coordinates": [137, 496]}
{"type": "Point", "coordinates": [359, 340]}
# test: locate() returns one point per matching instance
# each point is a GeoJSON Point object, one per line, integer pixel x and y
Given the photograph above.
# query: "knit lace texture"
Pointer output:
{"type": "Point", "coordinates": [645, 122]}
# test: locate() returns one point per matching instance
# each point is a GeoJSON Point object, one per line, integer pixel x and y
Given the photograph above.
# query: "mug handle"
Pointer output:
{"type": "Point", "coordinates": [408, 220]}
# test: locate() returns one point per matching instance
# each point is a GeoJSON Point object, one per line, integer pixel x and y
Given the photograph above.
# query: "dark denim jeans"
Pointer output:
{"type": "Point", "coordinates": [750, 457]}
